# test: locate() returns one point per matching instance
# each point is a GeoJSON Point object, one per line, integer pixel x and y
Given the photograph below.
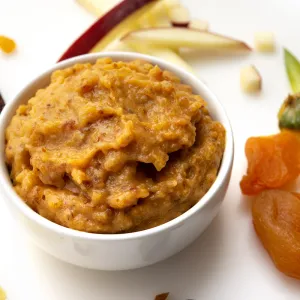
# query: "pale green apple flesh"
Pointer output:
{"type": "Point", "coordinates": [177, 37]}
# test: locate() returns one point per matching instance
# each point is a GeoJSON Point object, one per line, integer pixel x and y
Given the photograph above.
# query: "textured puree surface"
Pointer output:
{"type": "Point", "coordinates": [113, 147]}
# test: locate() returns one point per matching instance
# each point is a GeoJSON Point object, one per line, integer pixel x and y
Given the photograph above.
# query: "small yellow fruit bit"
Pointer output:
{"type": "Point", "coordinates": [7, 45]}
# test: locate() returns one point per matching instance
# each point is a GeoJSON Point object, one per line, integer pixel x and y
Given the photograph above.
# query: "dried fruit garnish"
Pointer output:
{"type": "Point", "coordinates": [273, 161]}
{"type": "Point", "coordinates": [276, 218]}
{"type": "Point", "coordinates": [163, 296]}
{"type": "Point", "coordinates": [7, 45]}
{"type": "Point", "coordinates": [1, 103]}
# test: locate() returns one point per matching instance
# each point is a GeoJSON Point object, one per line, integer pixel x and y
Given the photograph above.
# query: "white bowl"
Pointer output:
{"type": "Point", "coordinates": [118, 251]}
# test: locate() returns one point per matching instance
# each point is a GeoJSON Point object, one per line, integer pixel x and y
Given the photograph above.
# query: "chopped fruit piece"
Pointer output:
{"type": "Point", "coordinates": [158, 15]}
{"type": "Point", "coordinates": [199, 24]}
{"type": "Point", "coordinates": [276, 219]}
{"type": "Point", "coordinates": [7, 45]}
{"type": "Point", "coordinates": [289, 114]}
{"type": "Point", "coordinates": [273, 161]}
{"type": "Point", "coordinates": [98, 7]}
{"type": "Point", "coordinates": [109, 27]}
{"type": "Point", "coordinates": [164, 53]}
{"type": "Point", "coordinates": [163, 296]}
{"type": "Point", "coordinates": [162, 8]}
{"type": "Point", "coordinates": [250, 79]}
{"type": "Point", "coordinates": [180, 16]}
{"type": "Point", "coordinates": [176, 37]}
{"type": "Point", "coordinates": [264, 42]}
{"type": "Point", "coordinates": [292, 66]}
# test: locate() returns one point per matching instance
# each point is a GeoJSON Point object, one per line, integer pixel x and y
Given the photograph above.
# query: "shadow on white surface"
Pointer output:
{"type": "Point", "coordinates": [199, 270]}
{"type": "Point", "coordinates": [193, 267]}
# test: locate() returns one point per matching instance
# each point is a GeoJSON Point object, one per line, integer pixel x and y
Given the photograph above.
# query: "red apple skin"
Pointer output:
{"type": "Point", "coordinates": [102, 26]}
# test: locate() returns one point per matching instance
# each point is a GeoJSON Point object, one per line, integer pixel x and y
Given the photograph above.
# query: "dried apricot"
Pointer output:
{"type": "Point", "coordinates": [6, 44]}
{"type": "Point", "coordinates": [273, 161]}
{"type": "Point", "coordinates": [163, 296]}
{"type": "Point", "coordinates": [276, 219]}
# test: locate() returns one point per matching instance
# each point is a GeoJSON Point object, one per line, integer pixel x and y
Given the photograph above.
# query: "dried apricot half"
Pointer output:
{"type": "Point", "coordinates": [273, 161]}
{"type": "Point", "coordinates": [7, 45]}
{"type": "Point", "coordinates": [276, 219]}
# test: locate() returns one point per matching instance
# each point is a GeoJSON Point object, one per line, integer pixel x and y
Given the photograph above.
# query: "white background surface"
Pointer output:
{"type": "Point", "coordinates": [227, 262]}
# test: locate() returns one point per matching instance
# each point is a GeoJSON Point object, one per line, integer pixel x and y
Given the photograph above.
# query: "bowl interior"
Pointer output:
{"type": "Point", "coordinates": [216, 110]}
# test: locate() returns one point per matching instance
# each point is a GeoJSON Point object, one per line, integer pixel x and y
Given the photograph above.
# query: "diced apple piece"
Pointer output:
{"type": "Point", "coordinates": [163, 53]}
{"type": "Point", "coordinates": [177, 37]}
{"type": "Point", "coordinates": [250, 79]}
{"type": "Point", "coordinates": [264, 42]}
{"type": "Point", "coordinates": [199, 24]}
{"type": "Point", "coordinates": [162, 8]}
{"type": "Point", "coordinates": [158, 15]}
{"type": "Point", "coordinates": [107, 28]}
{"type": "Point", "coordinates": [179, 16]}
{"type": "Point", "coordinates": [98, 7]}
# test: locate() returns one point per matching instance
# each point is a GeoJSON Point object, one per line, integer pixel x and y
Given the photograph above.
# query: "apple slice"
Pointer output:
{"type": "Point", "coordinates": [170, 56]}
{"type": "Point", "coordinates": [177, 37]}
{"type": "Point", "coordinates": [153, 15]}
{"type": "Point", "coordinates": [98, 7]}
{"type": "Point", "coordinates": [199, 24]}
{"type": "Point", "coordinates": [158, 15]}
{"type": "Point", "coordinates": [180, 16]}
{"type": "Point", "coordinates": [118, 45]}
{"type": "Point", "coordinates": [163, 53]}
{"type": "Point", "coordinates": [100, 29]}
